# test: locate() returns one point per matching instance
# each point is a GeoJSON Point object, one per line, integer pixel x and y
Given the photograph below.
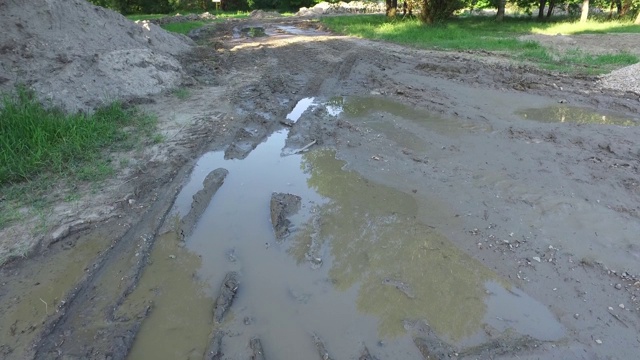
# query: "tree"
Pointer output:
{"type": "Point", "coordinates": [501, 5]}
{"type": "Point", "coordinates": [438, 10]}
{"type": "Point", "coordinates": [637, 22]}
{"type": "Point", "coordinates": [391, 7]}
{"type": "Point", "coordinates": [585, 11]}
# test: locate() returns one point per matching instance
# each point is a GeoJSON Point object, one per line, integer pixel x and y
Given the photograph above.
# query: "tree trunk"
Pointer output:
{"type": "Point", "coordinates": [619, 6]}
{"type": "Point", "coordinates": [500, 14]}
{"type": "Point", "coordinates": [585, 11]}
{"type": "Point", "coordinates": [552, 5]}
{"type": "Point", "coordinates": [541, 9]}
{"type": "Point", "coordinates": [637, 22]}
{"type": "Point", "coordinates": [391, 6]}
{"type": "Point", "coordinates": [625, 7]}
{"type": "Point", "coordinates": [426, 16]}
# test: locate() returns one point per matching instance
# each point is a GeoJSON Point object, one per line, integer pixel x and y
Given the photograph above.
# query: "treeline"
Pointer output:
{"type": "Point", "coordinates": [431, 11]}
{"type": "Point", "coordinates": [168, 6]}
{"type": "Point", "coordinates": [428, 10]}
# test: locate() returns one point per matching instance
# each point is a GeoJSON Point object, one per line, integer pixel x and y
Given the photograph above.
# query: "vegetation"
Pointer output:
{"type": "Point", "coordinates": [39, 146]}
{"type": "Point", "coordinates": [480, 33]}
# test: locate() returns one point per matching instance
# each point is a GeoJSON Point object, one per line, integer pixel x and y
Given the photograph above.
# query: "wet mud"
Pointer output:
{"type": "Point", "coordinates": [425, 216]}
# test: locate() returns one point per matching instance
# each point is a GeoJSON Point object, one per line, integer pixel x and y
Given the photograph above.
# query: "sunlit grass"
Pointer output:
{"type": "Point", "coordinates": [483, 33]}
{"type": "Point", "coordinates": [589, 27]}
{"type": "Point", "coordinates": [39, 146]}
{"type": "Point", "coordinates": [183, 27]}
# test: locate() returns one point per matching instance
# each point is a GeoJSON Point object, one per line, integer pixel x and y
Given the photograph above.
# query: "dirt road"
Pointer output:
{"type": "Point", "coordinates": [453, 205]}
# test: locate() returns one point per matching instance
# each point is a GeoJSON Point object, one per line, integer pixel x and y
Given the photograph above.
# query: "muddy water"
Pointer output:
{"type": "Point", "coordinates": [357, 269]}
{"type": "Point", "coordinates": [42, 287]}
{"type": "Point", "coordinates": [375, 109]}
{"type": "Point", "coordinates": [571, 114]}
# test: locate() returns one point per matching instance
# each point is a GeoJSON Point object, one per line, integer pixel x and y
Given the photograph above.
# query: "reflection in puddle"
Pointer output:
{"type": "Point", "coordinates": [253, 31]}
{"type": "Point", "coordinates": [357, 265]}
{"type": "Point", "coordinates": [562, 113]}
{"type": "Point", "coordinates": [377, 109]}
{"type": "Point", "coordinates": [300, 108]}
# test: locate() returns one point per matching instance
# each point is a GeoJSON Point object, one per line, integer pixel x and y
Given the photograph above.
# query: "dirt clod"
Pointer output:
{"type": "Point", "coordinates": [282, 206]}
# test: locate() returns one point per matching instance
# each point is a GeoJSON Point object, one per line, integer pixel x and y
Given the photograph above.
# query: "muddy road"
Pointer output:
{"type": "Point", "coordinates": [323, 197]}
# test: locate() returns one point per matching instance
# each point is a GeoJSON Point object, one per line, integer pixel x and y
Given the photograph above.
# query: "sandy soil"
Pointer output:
{"type": "Point", "coordinates": [551, 206]}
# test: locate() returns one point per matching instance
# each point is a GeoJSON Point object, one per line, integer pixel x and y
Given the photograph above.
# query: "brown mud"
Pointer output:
{"type": "Point", "coordinates": [436, 219]}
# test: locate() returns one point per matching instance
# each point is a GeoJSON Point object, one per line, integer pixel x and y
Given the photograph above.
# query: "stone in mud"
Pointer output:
{"type": "Point", "coordinates": [432, 348]}
{"type": "Point", "coordinates": [256, 348]}
{"type": "Point", "coordinates": [366, 355]}
{"type": "Point", "coordinates": [401, 286]}
{"type": "Point", "coordinates": [214, 351]}
{"type": "Point", "coordinates": [428, 343]}
{"type": "Point", "coordinates": [504, 345]}
{"type": "Point", "coordinates": [282, 206]}
{"type": "Point", "coordinates": [322, 349]}
{"type": "Point", "coordinates": [201, 200]}
{"type": "Point", "coordinates": [225, 299]}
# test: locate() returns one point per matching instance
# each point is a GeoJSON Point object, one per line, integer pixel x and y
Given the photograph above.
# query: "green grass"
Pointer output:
{"type": "Point", "coordinates": [481, 33]}
{"type": "Point", "coordinates": [40, 146]}
{"type": "Point", "coordinates": [183, 27]}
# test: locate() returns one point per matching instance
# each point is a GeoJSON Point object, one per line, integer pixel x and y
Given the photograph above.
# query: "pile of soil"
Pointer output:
{"type": "Point", "coordinates": [78, 56]}
{"type": "Point", "coordinates": [356, 7]}
{"type": "Point", "coordinates": [178, 18]}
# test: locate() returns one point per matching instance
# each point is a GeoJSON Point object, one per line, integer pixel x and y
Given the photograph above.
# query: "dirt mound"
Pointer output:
{"type": "Point", "coordinates": [357, 7]}
{"type": "Point", "coordinates": [178, 18]}
{"type": "Point", "coordinates": [79, 56]}
{"type": "Point", "coordinates": [261, 14]}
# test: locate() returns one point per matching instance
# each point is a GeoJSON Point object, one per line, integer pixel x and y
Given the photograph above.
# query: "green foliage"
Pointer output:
{"type": "Point", "coordinates": [433, 11]}
{"type": "Point", "coordinates": [481, 33]}
{"type": "Point", "coordinates": [263, 4]}
{"type": "Point", "coordinates": [36, 141]}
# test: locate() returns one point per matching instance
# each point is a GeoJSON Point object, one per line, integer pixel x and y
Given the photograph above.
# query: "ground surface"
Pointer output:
{"type": "Point", "coordinates": [550, 206]}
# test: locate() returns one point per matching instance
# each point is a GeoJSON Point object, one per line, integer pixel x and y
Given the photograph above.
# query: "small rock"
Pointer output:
{"type": "Point", "coordinates": [618, 286]}
{"type": "Point", "coordinates": [621, 306]}
{"type": "Point", "coordinates": [610, 308]}
{"type": "Point", "coordinates": [536, 258]}
{"type": "Point", "coordinates": [562, 101]}
{"type": "Point", "coordinates": [172, 256]}
{"type": "Point", "coordinates": [576, 316]}
{"type": "Point", "coordinates": [598, 341]}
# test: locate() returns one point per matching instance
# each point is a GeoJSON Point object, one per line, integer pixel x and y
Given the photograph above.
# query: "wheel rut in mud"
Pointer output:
{"type": "Point", "coordinates": [432, 218]}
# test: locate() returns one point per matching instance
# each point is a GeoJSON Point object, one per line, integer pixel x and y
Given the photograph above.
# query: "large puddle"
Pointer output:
{"type": "Point", "coordinates": [357, 269]}
{"type": "Point", "coordinates": [577, 115]}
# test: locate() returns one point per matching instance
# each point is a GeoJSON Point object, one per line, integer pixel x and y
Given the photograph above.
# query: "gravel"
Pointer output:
{"type": "Point", "coordinates": [625, 79]}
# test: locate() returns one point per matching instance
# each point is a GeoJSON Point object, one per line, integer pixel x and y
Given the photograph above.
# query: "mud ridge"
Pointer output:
{"type": "Point", "coordinates": [201, 200]}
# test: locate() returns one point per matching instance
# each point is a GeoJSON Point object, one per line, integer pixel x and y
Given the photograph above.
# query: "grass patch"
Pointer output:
{"type": "Point", "coordinates": [183, 27]}
{"type": "Point", "coordinates": [182, 93]}
{"type": "Point", "coordinates": [40, 146]}
{"type": "Point", "coordinates": [482, 33]}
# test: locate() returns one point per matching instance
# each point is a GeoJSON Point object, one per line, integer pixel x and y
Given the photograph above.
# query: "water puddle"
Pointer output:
{"type": "Point", "coordinates": [357, 266]}
{"type": "Point", "coordinates": [293, 30]}
{"type": "Point", "coordinates": [181, 304]}
{"type": "Point", "coordinates": [37, 297]}
{"type": "Point", "coordinates": [374, 109]}
{"type": "Point", "coordinates": [577, 115]}
{"type": "Point", "coordinates": [253, 31]}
